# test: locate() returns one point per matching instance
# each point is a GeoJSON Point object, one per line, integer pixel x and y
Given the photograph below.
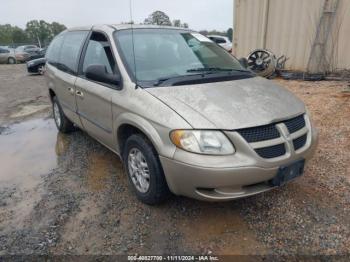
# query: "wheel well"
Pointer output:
{"type": "Point", "coordinates": [52, 94]}
{"type": "Point", "coordinates": [124, 132]}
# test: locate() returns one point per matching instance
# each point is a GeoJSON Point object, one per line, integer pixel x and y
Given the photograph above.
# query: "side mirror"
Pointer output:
{"type": "Point", "coordinates": [244, 62]}
{"type": "Point", "coordinates": [99, 73]}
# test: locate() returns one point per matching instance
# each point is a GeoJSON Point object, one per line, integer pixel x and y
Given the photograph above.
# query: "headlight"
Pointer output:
{"type": "Point", "coordinates": [202, 142]}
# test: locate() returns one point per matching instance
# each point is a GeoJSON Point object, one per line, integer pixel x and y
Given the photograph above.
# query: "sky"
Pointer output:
{"type": "Point", "coordinates": [199, 14]}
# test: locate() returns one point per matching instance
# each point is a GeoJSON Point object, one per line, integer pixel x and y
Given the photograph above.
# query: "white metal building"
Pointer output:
{"type": "Point", "coordinates": [314, 34]}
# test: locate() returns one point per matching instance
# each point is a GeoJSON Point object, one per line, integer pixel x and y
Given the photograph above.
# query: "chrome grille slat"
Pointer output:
{"type": "Point", "coordinates": [267, 143]}
{"type": "Point", "coordinates": [299, 133]}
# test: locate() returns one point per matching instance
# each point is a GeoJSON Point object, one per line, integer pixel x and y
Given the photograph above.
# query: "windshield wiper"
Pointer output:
{"type": "Point", "coordinates": [199, 72]}
{"type": "Point", "coordinates": [214, 69]}
{"type": "Point", "coordinates": [163, 79]}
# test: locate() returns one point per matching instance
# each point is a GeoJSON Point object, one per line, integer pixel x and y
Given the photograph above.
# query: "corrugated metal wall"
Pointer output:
{"type": "Point", "coordinates": [288, 27]}
{"type": "Point", "coordinates": [341, 36]}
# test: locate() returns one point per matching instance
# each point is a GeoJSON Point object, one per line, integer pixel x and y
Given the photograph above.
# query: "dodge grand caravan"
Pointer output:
{"type": "Point", "coordinates": [182, 113]}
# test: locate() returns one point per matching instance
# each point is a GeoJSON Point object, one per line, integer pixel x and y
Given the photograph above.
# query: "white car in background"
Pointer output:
{"type": "Point", "coordinates": [223, 41]}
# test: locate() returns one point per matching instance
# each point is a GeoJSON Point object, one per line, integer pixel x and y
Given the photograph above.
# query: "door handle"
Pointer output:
{"type": "Point", "coordinates": [71, 90]}
{"type": "Point", "coordinates": [80, 94]}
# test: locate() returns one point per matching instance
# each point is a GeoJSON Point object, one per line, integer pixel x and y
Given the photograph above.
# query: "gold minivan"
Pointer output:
{"type": "Point", "coordinates": [183, 114]}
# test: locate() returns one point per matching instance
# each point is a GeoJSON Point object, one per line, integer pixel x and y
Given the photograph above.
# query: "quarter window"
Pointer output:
{"type": "Point", "coordinates": [53, 52]}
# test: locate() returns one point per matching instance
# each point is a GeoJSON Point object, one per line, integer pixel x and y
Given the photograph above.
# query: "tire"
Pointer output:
{"type": "Point", "coordinates": [157, 191]}
{"type": "Point", "coordinates": [63, 124]}
{"type": "Point", "coordinates": [11, 61]}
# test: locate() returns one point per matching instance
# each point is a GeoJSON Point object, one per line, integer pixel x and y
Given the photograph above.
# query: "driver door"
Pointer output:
{"type": "Point", "coordinates": [94, 99]}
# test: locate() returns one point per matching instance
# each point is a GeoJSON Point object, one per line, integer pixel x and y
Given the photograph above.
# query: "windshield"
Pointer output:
{"type": "Point", "coordinates": [161, 54]}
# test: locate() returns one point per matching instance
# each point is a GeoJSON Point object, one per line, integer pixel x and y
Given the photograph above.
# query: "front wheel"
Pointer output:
{"type": "Point", "coordinates": [144, 170]}
{"type": "Point", "coordinates": [63, 124]}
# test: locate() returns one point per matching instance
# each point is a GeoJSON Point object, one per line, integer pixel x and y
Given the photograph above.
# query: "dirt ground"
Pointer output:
{"type": "Point", "coordinates": [67, 194]}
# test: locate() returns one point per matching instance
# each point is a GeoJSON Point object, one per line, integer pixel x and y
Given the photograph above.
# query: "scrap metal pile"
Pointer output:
{"type": "Point", "coordinates": [264, 63]}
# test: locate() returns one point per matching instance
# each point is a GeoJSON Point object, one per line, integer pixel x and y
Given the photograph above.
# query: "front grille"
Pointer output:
{"type": "Point", "coordinates": [270, 132]}
{"type": "Point", "coordinates": [261, 133]}
{"type": "Point", "coordinates": [295, 124]}
{"type": "Point", "coordinates": [271, 151]}
{"type": "Point", "coordinates": [299, 142]}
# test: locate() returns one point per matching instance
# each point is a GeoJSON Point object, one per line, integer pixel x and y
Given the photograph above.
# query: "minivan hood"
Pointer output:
{"type": "Point", "coordinates": [231, 105]}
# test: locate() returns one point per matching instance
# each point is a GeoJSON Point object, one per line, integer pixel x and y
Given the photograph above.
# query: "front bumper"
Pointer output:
{"type": "Point", "coordinates": [220, 178]}
{"type": "Point", "coordinates": [215, 184]}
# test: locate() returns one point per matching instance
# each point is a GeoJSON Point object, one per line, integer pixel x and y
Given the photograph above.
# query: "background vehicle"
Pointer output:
{"type": "Point", "coordinates": [28, 48]}
{"type": "Point", "coordinates": [181, 112]}
{"type": "Point", "coordinates": [37, 54]}
{"type": "Point", "coordinates": [223, 41]}
{"type": "Point", "coordinates": [7, 57]}
{"type": "Point", "coordinates": [36, 66]}
{"type": "Point", "coordinates": [28, 52]}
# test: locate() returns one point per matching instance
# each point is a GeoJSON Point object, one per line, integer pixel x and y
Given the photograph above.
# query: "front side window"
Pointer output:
{"type": "Point", "coordinates": [155, 54]}
{"type": "Point", "coordinates": [99, 52]}
{"type": "Point", "coordinates": [70, 51]}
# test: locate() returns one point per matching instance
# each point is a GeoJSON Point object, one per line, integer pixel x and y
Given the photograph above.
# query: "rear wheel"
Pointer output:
{"type": "Point", "coordinates": [11, 61]}
{"type": "Point", "coordinates": [63, 124]}
{"type": "Point", "coordinates": [144, 170]}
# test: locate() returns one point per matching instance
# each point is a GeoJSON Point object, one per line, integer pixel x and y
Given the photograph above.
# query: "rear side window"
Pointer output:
{"type": "Point", "coordinates": [70, 51]}
{"type": "Point", "coordinates": [53, 51]}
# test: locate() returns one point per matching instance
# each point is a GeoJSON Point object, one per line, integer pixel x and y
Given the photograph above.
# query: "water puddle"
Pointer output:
{"type": "Point", "coordinates": [29, 150]}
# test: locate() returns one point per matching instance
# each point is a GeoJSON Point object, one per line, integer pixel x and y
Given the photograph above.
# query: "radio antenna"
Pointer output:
{"type": "Point", "coordinates": [133, 43]}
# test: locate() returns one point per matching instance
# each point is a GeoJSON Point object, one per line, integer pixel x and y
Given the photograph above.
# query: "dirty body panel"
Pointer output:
{"type": "Point", "coordinates": [231, 105]}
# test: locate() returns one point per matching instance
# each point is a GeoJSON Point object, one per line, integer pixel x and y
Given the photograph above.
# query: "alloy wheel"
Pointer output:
{"type": "Point", "coordinates": [139, 170]}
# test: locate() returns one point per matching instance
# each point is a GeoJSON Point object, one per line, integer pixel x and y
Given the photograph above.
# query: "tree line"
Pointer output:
{"type": "Point", "coordinates": [161, 18]}
{"type": "Point", "coordinates": [41, 32]}
{"type": "Point", "coordinates": [37, 32]}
